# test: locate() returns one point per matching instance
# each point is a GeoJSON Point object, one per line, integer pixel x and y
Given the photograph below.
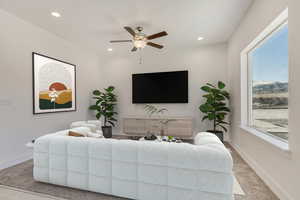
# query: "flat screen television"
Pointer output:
{"type": "Point", "coordinates": [161, 87]}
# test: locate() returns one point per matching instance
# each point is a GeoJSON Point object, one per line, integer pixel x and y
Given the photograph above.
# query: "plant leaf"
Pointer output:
{"type": "Point", "coordinates": [223, 122]}
{"type": "Point", "coordinates": [207, 96]}
{"type": "Point", "coordinates": [206, 88]}
{"type": "Point", "coordinates": [110, 89]}
{"type": "Point", "coordinates": [225, 94]}
{"type": "Point", "coordinates": [206, 108]}
{"type": "Point", "coordinates": [113, 119]}
{"type": "Point", "coordinates": [98, 115]}
{"type": "Point", "coordinates": [221, 85]}
{"type": "Point", "coordinates": [215, 91]}
{"type": "Point", "coordinates": [223, 127]}
{"type": "Point", "coordinates": [204, 118]}
{"type": "Point", "coordinates": [222, 109]}
{"type": "Point", "coordinates": [98, 101]}
{"type": "Point", "coordinates": [94, 107]}
{"type": "Point", "coordinates": [211, 85]}
{"type": "Point", "coordinates": [113, 124]}
{"type": "Point", "coordinates": [211, 116]}
{"type": "Point", "coordinates": [96, 93]}
{"type": "Point", "coordinates": [162, 110]}
{"type": "Point", "coordinates": [220, 98]}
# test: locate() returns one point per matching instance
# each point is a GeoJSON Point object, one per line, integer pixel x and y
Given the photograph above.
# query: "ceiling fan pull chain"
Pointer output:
{"type": "Point", "coordinates": [140, 56]}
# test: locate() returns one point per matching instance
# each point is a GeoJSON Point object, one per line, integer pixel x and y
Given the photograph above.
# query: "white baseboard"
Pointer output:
{"type": "Point", "coordinates": [17, 160]}
{"type": "Point", "coordinates": [267, 178]}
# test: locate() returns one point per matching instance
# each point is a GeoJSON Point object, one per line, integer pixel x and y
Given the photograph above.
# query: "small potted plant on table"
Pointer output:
{"type": "Point", "coordinates": [215, 107]}
{"type": "Point", "coordinates": [104, 106]}
{"type": "Point", "coordinates": [154, 110]}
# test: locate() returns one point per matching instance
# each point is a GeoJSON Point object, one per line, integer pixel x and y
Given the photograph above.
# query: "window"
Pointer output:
{"type": "Point", "coordinates": [266, 81]}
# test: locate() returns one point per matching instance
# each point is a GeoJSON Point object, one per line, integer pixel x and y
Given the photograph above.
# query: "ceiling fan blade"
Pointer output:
{"type": "Point", "coordinates": [157, 35]}
{"type": "Point", "coordinates": [130, 30]}
{"type": "Point", "coordinates": [133, 49]}
{"type": "Point", "coordinates": [117, 41]}
{"type": "Point", "coordinates": [155, 45]}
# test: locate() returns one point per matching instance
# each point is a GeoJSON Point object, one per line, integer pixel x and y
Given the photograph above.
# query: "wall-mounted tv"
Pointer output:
{"type": "Point", "coordinates": [160, 87]}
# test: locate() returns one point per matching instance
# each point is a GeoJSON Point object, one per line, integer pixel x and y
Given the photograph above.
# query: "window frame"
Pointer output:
{"type": "Point", "coordinates": [246, 81]}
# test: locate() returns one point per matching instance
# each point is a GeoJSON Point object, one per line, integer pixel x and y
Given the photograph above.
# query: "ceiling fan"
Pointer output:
{"type": "Point", "coordinates": [140, 40]}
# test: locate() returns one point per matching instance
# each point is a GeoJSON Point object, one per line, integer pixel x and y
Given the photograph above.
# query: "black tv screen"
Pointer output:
{"type": "Point", "coordinates": [161, 87]}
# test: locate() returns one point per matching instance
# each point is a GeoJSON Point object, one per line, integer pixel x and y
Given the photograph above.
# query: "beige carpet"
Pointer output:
{"type": "Point", "coordinates": [237, 189]}
{"type": "Point", "coordinates": [10, 193]}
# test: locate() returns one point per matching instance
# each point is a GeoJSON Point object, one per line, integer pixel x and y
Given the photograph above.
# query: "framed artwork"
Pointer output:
{"type": "Point", "coordinates": [54, 85]}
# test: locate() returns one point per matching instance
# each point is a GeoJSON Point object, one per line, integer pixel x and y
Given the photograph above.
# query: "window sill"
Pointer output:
{"type": "Point", "coordinates": [281, 145]}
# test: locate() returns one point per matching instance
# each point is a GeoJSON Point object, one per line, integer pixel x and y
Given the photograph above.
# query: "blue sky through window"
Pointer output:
{"type": "Point", "coordinates": [269, 61]}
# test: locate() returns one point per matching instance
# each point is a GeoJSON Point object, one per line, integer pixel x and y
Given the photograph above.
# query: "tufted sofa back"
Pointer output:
{"type": "Point", "coordinates": [136, 169]}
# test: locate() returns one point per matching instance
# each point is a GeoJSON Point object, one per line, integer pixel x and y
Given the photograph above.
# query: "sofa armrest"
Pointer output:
{"type": "Point", "coordinates": [203, 138]}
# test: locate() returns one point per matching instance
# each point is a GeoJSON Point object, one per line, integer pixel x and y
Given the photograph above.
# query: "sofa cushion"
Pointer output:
{"type": "Point", "coordinates": [93, 125]}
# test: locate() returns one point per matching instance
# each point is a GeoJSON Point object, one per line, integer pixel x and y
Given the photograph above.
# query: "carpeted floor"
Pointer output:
{"type": "Point", "coordinates": [252, 185]}
{"type": "Point", "coordinates": [20, 176]}
{"type": "Point", "coordinates": [11, 193]}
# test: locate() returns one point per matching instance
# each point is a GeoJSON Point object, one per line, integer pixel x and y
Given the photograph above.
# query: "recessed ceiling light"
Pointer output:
{"type": "Point", "coordinates": [55, 14]}
{"type": "Point", "coordinates": [109, 49]}
{"type": "Point", "coordinates": [200, 38]}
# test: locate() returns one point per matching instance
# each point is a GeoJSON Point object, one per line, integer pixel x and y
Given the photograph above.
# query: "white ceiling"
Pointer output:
{"type": "Point", "coordinates": [92, 23]}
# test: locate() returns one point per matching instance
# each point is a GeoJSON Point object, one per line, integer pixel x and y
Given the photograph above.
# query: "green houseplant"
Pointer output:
{"type": "Point", "coordinates": [104, 106]}
{"type": "Point", "coordinates": [215, 107]}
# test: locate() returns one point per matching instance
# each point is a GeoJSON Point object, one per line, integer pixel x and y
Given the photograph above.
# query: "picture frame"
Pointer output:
{"type": "Point", "coordinates": [54, 85]}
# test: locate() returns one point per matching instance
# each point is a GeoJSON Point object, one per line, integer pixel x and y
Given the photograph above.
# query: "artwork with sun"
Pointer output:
{"type": "Point", "coordinates": [58, 96]}
{"type": "Point", "coordinates": [54, 85]}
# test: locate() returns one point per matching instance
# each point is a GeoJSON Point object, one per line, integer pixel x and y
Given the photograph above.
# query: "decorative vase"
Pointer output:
{"type": "Point", "coordinates": [107, 131]}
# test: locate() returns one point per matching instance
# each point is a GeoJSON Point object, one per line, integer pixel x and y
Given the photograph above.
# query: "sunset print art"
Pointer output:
{"type": "Point", "coordinates": [54, 85]}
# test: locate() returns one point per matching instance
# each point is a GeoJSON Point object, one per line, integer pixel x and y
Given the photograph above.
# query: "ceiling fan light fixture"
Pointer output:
{"type": "Point", "coordinates": [141, 40]}
{"type": "Point", "coordinates": [55, 14]}
{"type": "Point", "coordinates": [139, 43]}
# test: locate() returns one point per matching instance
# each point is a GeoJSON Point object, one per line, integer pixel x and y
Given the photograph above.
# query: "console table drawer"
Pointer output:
{"type": "Point", "coordinates": [153, 126]}
{"type": "Point", "coordinates": [179, 128]}
{"type": "Point", "coordinates": [134, 126]}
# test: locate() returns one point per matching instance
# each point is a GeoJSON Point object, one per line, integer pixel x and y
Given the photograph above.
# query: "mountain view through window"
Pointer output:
{"type": "Point", "coordinates": [269, 74]}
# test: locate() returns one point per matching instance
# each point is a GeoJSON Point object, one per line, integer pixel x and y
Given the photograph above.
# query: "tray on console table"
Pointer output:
{"type": "Point", "coordinates": [141, 138]}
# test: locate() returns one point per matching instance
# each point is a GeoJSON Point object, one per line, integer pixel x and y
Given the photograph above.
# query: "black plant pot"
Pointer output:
{"type": "Point", "coordinates": [219, 134]}
{"type": "Point", "coordinates": [107, 131]}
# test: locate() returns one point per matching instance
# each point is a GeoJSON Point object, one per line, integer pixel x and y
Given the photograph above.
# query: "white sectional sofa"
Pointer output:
{"type": "Point", "coordinates": [141, 170]}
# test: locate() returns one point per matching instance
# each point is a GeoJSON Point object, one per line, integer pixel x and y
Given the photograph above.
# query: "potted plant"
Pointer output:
{"type": "Point", "coordinates": [154, 110]}
{"type": "Point", "coordinates": [215, 107]}
{"type": "Point", "coordinates": [104, 106]}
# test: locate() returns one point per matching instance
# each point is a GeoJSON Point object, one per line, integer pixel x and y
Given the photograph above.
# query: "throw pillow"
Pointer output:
{"type": "Point", "coordinates": [74, 134]}
{"type": "Point", "coordinates": [81, 130]}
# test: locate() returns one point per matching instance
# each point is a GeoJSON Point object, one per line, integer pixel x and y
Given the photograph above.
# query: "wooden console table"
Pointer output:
{"type": "Point", "coordinates": [138, 126]}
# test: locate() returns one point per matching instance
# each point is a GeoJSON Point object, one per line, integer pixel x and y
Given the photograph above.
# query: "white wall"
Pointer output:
{"type": "Point", "coordinates": [279, 169]}
{"type": "Point", "coordinates": [18, 39]}
{"type": "Point", "coordinates": [205, 64]}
